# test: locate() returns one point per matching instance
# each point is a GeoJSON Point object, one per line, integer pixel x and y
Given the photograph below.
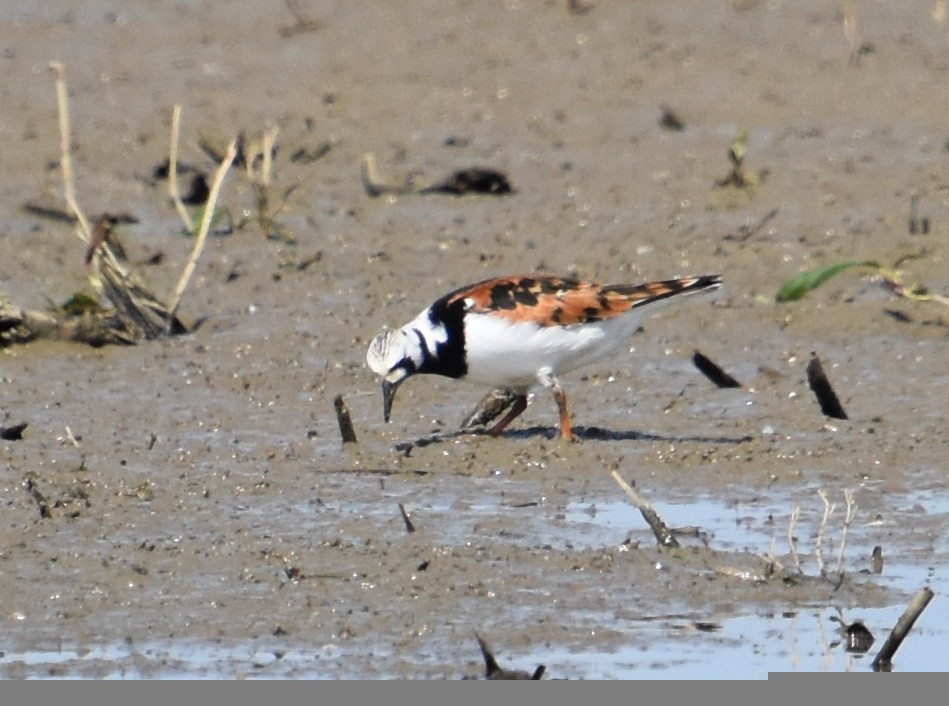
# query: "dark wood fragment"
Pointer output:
{"type": "Point", "coordinates": [345, 421]}
{"type": "Point", "coordinates": [714, 373]}
{"type": "Point", "coordinates": [818, 382]}
{"type": "Point", "coordinates": [883, 660]}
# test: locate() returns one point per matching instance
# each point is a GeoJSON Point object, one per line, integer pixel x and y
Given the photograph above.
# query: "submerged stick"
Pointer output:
{"type": "Point", "coordinates": [663, 535]}
{"type": "Point", "coordinates": [345, 421]}
{"type": "Point", "coordinates": [901, 630]}
{"type": "Point", "coordinates": [409, 527]}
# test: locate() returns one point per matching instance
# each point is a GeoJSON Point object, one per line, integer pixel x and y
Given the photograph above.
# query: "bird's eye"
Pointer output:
{"type": "Point", "coordinates": [402, 369]}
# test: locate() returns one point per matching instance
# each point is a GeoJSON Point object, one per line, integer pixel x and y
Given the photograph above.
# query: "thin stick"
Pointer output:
{"type": "Point", "coordinates": [409, 527]}
{"type": "Point", "coordinates": [902, 628]}
{"type": "Point", "coordinates": [173, 171]}
{"type": "Point", "coordinates": [203, 230]}
{"type": "Point", "coordinates": [69, 187]}
{"type": "Point", "coordinates": [851, 511]}
{"type": "Point", "coordinates": [658, 527]}
{"type": "Point", "coordinates": [792, 525]}
{"type": "Point", "coordinates": [819, 542]}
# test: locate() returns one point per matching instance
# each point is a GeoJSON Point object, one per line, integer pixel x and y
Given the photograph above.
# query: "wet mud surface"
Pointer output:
{"type": "Point", "coordinates": [186, 506]}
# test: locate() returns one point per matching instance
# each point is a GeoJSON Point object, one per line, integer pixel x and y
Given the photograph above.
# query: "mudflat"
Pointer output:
{"type": "Point", "coordinates": [186, 507]}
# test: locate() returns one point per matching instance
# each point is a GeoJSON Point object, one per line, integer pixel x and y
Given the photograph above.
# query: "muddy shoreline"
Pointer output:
{"type": "Point", "coordinates": [203, 517]}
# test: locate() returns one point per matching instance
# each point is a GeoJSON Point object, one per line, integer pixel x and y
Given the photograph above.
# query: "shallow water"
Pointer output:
{"type": "Point", "coordinates": [670, 644]}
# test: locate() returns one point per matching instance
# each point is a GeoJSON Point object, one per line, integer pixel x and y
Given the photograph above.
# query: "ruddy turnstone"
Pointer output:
{"type": "Point", "coordinates": [518, 331]}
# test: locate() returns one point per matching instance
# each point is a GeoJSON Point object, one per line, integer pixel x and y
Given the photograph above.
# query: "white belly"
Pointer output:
{"type": "Point", "coordinates": [504, 354]}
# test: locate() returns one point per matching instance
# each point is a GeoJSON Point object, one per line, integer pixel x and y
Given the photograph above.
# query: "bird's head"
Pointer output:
{"type": "Point", "coordinates": [394, 355]}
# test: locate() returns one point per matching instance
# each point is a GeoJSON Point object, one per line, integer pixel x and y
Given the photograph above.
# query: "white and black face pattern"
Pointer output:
{"type": "Point", "coordinates": [396, 355]}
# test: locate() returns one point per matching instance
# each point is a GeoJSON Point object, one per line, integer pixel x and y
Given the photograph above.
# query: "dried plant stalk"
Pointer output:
{"type": "Point", "coordinates": [173, 171]}
{"type": "Point", "coordinates": [202, 234]}
{"type": "Point", "coordinates": [659, 528]}
{"type": "Point", "coordinates": [65, 132]}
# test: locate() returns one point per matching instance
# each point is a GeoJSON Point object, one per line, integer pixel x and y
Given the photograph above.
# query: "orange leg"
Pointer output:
{"type": "Point", "coordinates": [566, 429]}
{"type": "Point", "coordinates": [520, 404]}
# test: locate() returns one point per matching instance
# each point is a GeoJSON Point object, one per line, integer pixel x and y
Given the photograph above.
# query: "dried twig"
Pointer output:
{"type": "Point", "coordinates": [65, 132]}
{"type": "Point", "coordinates": [851, 511]}
{"type": "Point", "coordinates": [819, 542]}
{"type": "Point", "coordinates": [173, 171]}
{"type": "Point", "coordinates": [202, 234]}
{"type": "Point", "coordinates": [792, 545]}
{"type": "Point", "coordinates": [132, 301]}
{"type": "Point", "coordinates": [663, 535]}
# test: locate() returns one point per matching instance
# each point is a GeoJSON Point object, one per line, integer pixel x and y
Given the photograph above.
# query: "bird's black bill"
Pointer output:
{"type": "Point", "coordinates": [388, 394]}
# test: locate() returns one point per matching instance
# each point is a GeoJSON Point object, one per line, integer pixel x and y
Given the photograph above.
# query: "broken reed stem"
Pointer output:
{"type": "Point", "coordinates": [65, 133]}
{"type": "Point", "coordinates": [173, 171]}
{"type": "Point", "coordinates": [851, 511]}
{"type": "Point", "coordinates": [202, 234]}
{"type": "Point", "coordinates": [901, 629]}
{"type": "Point", "coordinates": [658, 527]}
